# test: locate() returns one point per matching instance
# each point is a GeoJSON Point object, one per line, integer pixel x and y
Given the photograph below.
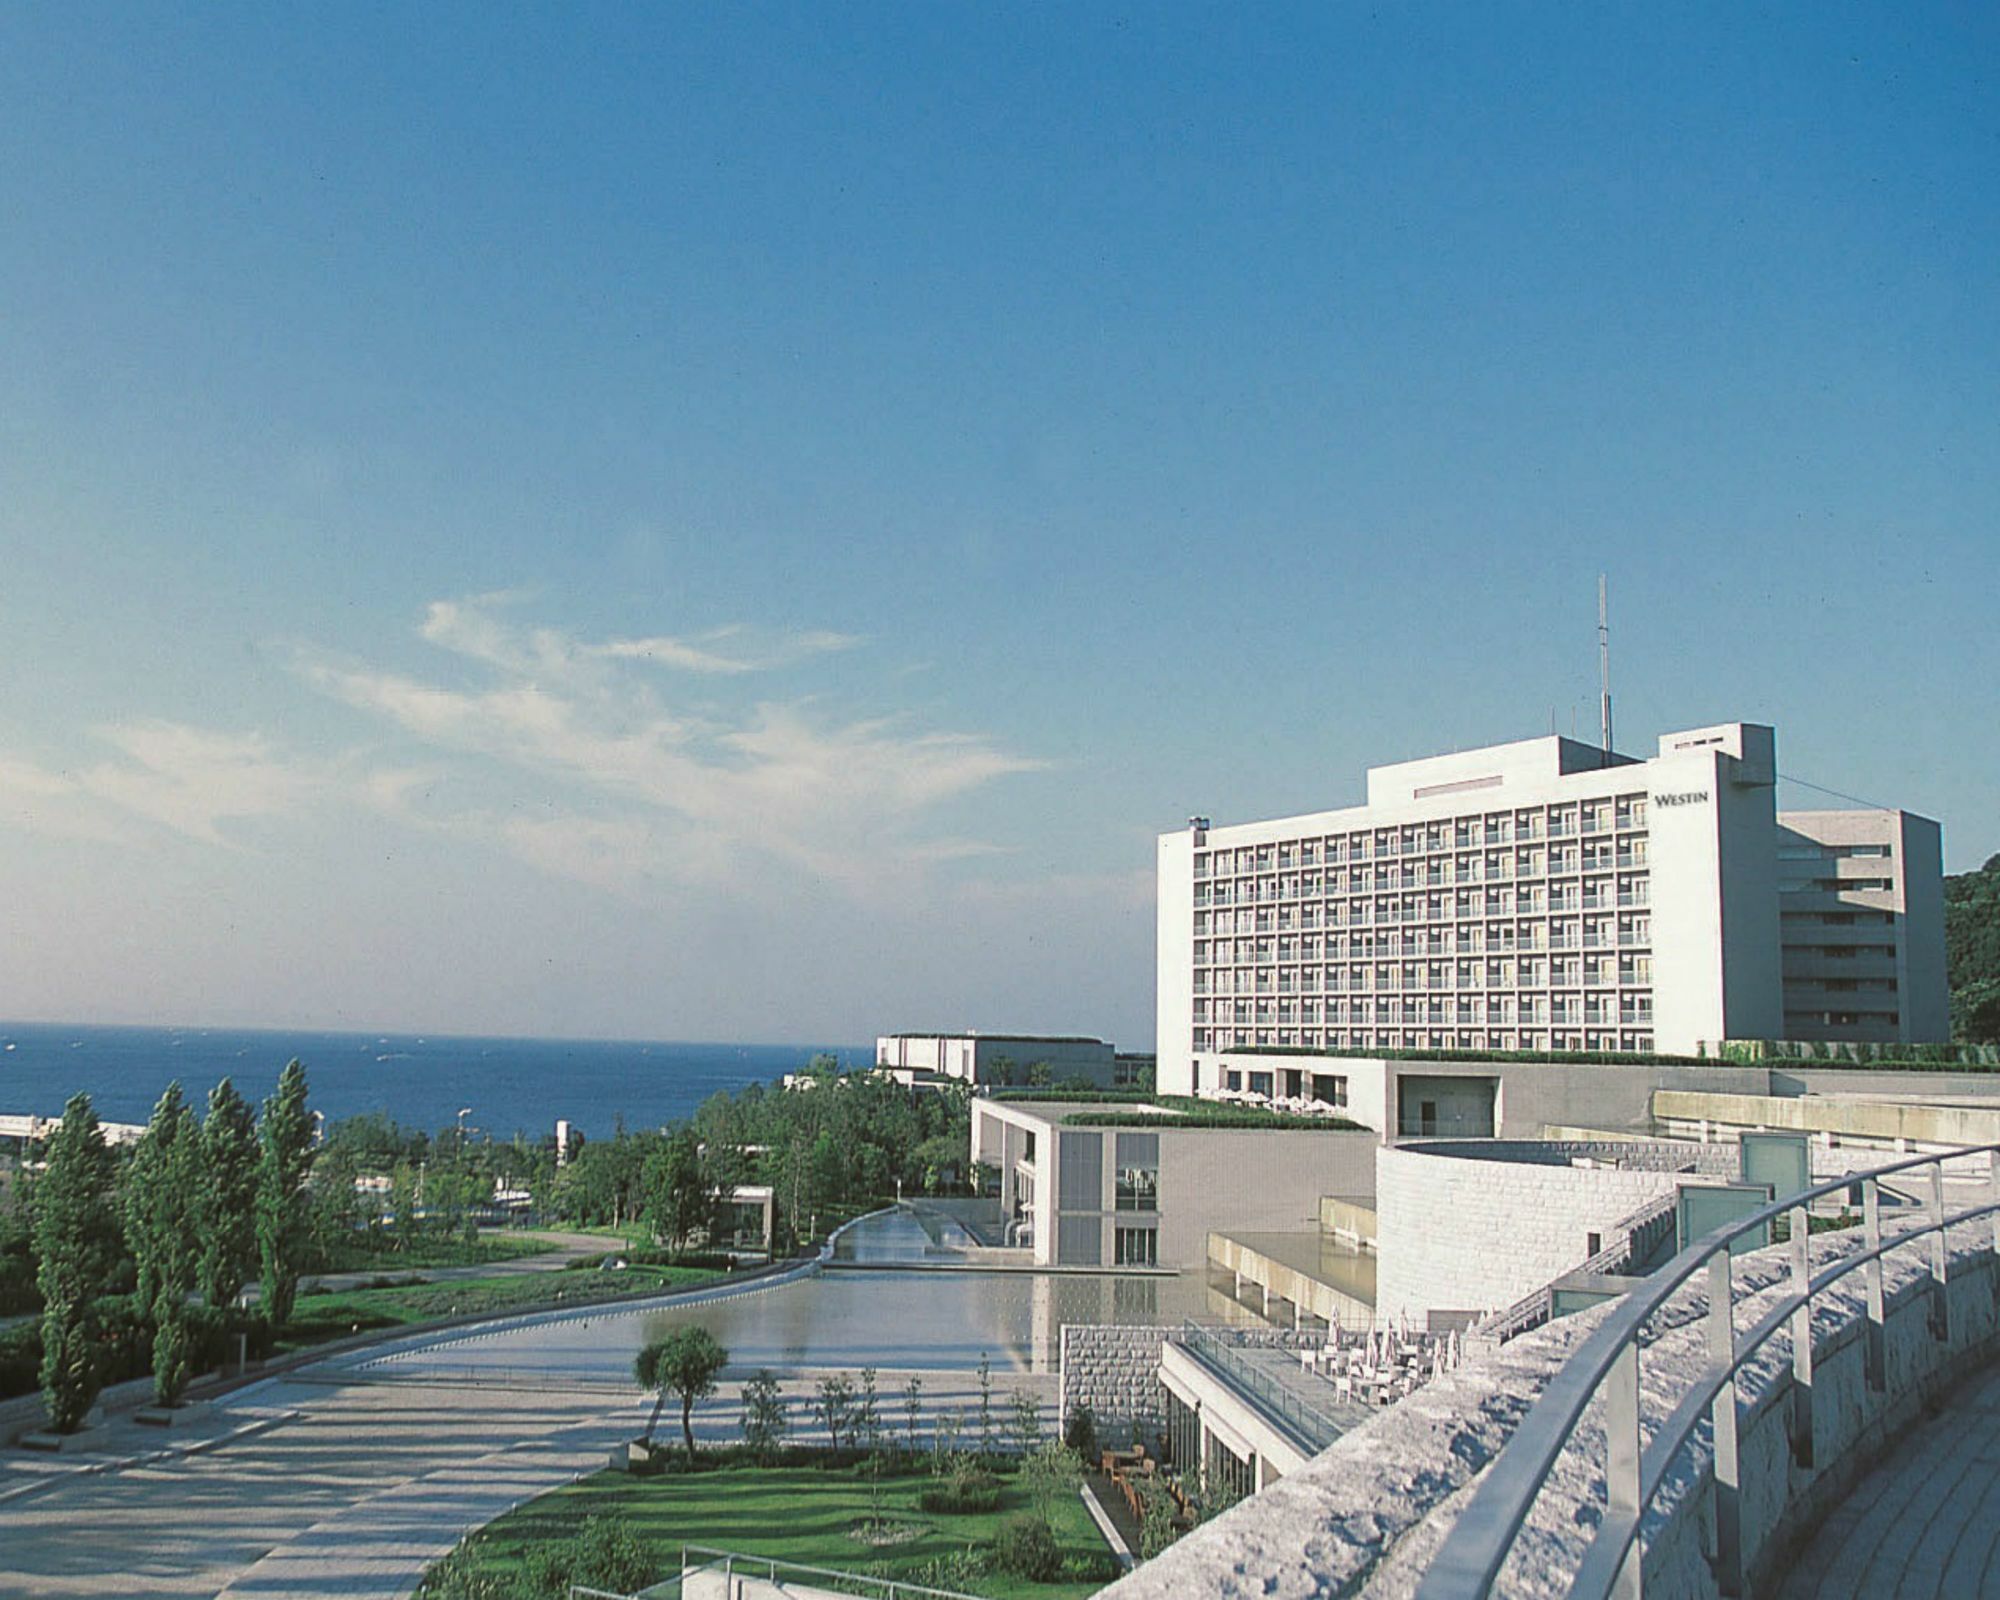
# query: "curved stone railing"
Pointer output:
{"type": "Point", "coordinates": [1373, 1513]}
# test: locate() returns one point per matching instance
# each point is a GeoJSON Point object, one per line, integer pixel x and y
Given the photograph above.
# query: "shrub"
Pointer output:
{"type": "Point", "coordinates": [957, 1569]}
{"type": "Point", "coordinates": [602, 1554]}
{"type": "Point", "coordinates": [972, 1490]}
{"type": "Point", "coordinates": [1027, 1548]}
{"type": "Point", "coordinates": [1080, 1431]}
{"type": "Point", "coordinates": [1086, 1566]}
{"type": "Point", "coordinates": [458, 1577]}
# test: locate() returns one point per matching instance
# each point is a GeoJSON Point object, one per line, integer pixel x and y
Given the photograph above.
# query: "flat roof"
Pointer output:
{"type": "Point", "coordinates": [999, 1038]}
{"type": "Point", "coordinates": [1315, 1255]}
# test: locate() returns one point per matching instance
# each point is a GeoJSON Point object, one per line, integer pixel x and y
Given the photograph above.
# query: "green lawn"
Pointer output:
{"type": "Point", "coordinates": [806, 1514]}
{"type": "Point", "coordinates": [635, 1234]}
{"type": "Point", "coordinates": [316, 1318]}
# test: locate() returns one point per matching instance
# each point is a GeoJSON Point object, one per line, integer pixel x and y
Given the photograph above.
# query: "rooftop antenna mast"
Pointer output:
{"type": "Point", "coordinates": [1604, 666]}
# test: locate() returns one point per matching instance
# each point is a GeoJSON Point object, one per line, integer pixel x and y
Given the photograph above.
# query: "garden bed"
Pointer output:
{"type": "Point", "coordinates": [817, 1515]}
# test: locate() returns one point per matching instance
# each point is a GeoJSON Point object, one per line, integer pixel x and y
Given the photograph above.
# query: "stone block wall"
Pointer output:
{"type": "Point", "coordinates": [1116, 1372]}
{"type": "Point", "coordinates": [1457, 1232]}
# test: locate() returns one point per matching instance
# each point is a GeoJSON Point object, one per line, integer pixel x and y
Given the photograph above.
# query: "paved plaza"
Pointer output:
{"type": "Point", "coordinates": [1924, 1522]}
{"type": "Point", "coordinates": [348, 1477]}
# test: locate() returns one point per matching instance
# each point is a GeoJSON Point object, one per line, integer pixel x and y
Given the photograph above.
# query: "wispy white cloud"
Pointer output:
{"type": "Point", "coordinates": [185, 780]}
{"type": "Point", "coordinates": [471, 628]}
{"type": "Point", "coordinates": [36, 800]}
{"type": "Point", "coordinates": [192, 780]}
{"type": "Point", "coordinates": [572, 756]}
{"type": "Point", "coordinates": [647, 790]}
{"type": "Point", "coordinates": [696, 655]}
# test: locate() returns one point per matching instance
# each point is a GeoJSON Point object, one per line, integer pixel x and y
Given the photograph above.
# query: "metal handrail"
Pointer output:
{"type": "Point", "coordinates": [1469, 1562]}
{"type": "Point", "coordinates": [1310, 1427]}
{"type": "Point", "coordinates": [889, 1588]}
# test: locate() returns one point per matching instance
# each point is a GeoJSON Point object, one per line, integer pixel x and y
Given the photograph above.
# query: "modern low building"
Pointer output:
{"type": "Point", "coordinates": [1147, 1191]}
{"type": "Point", "coordinates": [1544, 895]}
{"type": "Point", "coordinates": [1416, 1097]}
{"type": "Point", "coordinates": [1861, 920]}
{"type": "Point", "coordinates": [998, 1058]}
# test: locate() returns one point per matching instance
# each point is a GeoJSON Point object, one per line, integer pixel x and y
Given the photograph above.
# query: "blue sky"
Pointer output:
{"type": "Point", "coordinates": [744, 522]}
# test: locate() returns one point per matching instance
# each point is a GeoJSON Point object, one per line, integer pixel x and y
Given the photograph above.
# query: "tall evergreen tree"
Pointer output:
{"type": "Point", "coordinates": [229, 1211]}
{"type": "Point", "coordinates": [680, 1199]}
{"type": "Point", "coordinates": [76, 1246]}
{"type": "Point", "coordinates": [284, 1162]}
{"type": "Point", "coordinates": [163, 1207]}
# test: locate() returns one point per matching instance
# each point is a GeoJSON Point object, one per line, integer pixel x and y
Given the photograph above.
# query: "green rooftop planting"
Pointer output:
{"type": "Point", "coordinates": [1177, 1111]}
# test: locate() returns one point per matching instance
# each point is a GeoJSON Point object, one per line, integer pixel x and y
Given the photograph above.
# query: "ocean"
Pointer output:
{"type": "Point", "coordinates": [505, 1086]}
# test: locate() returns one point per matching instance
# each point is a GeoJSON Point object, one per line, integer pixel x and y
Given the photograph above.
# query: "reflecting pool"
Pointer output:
{"type": "Point", "coordinates": [892, 1315]}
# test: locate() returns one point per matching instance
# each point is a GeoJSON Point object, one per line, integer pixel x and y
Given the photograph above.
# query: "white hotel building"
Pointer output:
{"type": "Point", "coordinates": [1542, 895]}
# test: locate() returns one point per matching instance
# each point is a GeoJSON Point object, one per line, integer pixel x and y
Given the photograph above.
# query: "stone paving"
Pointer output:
{"type": "Point", "coordinates": [1925, 1520]}
{"type": "Point", "coordinates": [280, 1509]}
{"type": "Point", "coordinates": [324, 1483]}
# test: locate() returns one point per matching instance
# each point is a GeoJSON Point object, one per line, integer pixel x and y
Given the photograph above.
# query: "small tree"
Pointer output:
{"type": "Point", "coordinates": [228, 1196]}
{"type": "Point", "coordinates": [406, 1206]}
{"type": "Point", "coordinates": [684, 1363]}
{"type": "Point", "coordinates": [946, 1428]}
{"type": "Point", "coordinates": [913, 1403]}
{"type": "Point", "coordinates": [835, 1405]}
{"type": "Point", "coordinates": [1024, 1423]}
{"type": "Point", "coordinates": [76, 1245]}
{"type": "Point", "coordinates": [985, 1406]}
{"type": "Point", "coordinates": [1050, 1473]}
{"type": "Point", "coordinates": [764, 1414]}
{"type": "Point", "coordinates": [284, 1163]}
{"type": "Point", "coordinates": [163, 1212]}
{"type": "Point", "coordinates": [864, 1431]}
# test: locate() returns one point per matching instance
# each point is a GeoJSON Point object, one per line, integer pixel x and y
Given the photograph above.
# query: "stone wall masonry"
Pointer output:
{"type": "Point", "coordinates": [1366, 1516]}
{"type": "Point", "coordinates": [1464, 1232]}
{"type": "Point", "coordinates": [1116, 1372]}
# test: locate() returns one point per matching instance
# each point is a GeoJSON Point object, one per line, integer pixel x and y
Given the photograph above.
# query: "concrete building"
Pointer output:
{"type": "Point", "coordinates": [1147, 1193]}
{"type": "Point", "coordinates": [1861, 919]}
{"type": "Point", "coordinates": [1536, 896]}
{"type": "Point", "coordinates": [997, 1058]}
{"type": "Point", "coordinates": [1403, 1098]}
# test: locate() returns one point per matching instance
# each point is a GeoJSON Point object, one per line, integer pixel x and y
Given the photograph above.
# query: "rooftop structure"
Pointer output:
{"type": "Point", "coordinates": [998, 1058]}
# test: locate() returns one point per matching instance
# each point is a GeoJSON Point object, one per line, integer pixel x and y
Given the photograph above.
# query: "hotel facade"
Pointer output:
{"type": "Point", "coordinates": [1548, 895]}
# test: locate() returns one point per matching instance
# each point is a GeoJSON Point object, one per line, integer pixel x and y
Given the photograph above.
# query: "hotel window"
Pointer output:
{"type": "Point", "coordinates": [1136, 1247]}
{"type": "Point", "coordinates": [1139, 1173]}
